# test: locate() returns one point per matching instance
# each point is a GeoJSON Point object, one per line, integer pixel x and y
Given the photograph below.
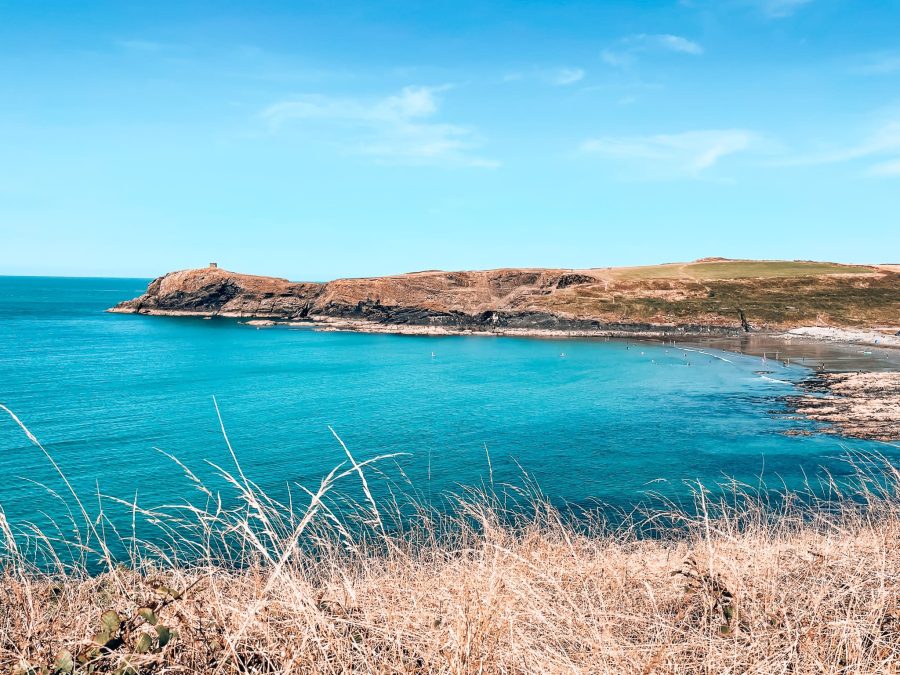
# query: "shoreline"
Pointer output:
{"type": "Point", "coordinates": [798, 348]}
{"type": "Point", "coordinates": [804, 339]}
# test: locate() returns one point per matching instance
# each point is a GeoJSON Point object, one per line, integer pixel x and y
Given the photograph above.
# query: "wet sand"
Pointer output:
{"type": "Point", "coordinates": [809, 352]}
{"type": "Point", "coordinates": [795, 350]}
{"type": "Point", "coordinates": [816, 354]}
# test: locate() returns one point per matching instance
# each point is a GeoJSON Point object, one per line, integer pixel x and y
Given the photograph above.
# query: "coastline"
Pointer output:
{"type": "Point", "coordinates": [804, 338]}
{"type": "Point", "coordinates": [798, 348]}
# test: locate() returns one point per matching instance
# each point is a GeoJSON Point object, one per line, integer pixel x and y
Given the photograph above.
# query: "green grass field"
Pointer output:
{"type": "Point", "coordinates": [771, 293]}
{"type": "Point", "coordinates": [738, 269]}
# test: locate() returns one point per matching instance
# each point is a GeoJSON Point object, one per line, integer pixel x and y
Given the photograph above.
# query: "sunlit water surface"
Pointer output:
{"type": "Point", "coordinates": [586, 419]}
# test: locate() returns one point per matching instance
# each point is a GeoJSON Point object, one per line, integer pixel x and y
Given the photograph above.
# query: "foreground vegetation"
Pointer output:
{"type": "Point", "coordinates": [498, 581]}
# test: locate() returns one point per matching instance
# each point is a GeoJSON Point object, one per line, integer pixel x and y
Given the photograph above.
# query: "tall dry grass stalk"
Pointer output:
{"type": "Point", "coordinates": [498, 581]}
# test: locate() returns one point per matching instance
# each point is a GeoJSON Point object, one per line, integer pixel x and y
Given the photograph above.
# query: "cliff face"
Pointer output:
{"type": "Point", "coordinates": [213, 291]}
{"type": "Point", "coordinates": [452, 299]}
{"type": "Point", "coordinates": [706, 293]}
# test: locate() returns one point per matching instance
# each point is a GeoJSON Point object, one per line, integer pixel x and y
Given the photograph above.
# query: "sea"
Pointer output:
{"type": "Point", "coordinates": [113, 398]}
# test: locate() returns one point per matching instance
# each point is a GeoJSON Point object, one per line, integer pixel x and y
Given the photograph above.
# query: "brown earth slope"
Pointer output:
{"type": "Point", "coordinates": [709, 294]}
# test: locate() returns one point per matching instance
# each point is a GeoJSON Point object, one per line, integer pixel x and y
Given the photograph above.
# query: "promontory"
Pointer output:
{"type": "Point", "coordinates": [712, 295]}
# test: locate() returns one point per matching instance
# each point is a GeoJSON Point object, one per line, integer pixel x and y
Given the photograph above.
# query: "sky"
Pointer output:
{"type": "Point", "coordinates": [315, 140]}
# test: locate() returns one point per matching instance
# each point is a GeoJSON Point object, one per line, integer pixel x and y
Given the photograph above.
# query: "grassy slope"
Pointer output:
{"type": "Point", "coordinates": [773, 294]}
{"type": "Point", "coordinates": [738, 269]}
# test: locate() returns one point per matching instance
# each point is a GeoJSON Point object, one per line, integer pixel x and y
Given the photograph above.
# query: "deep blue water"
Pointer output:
{"type": "Point", "coordinates": [102, 391]}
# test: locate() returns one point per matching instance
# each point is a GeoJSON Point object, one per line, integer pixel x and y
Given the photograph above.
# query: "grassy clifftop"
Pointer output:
{"type": "Point", "coordinates": [773, 294]}
{"type": "Point", "coordinates": [721, 268]}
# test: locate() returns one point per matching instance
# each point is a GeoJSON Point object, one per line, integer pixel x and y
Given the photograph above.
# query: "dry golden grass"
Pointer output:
{"type": "Point", "coordinates": [489, 584]}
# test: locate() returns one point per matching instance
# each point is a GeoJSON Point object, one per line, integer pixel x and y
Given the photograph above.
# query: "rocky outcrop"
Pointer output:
{"type": "Point", "coordinates": [217, 292]}
{"type": "Point", "coordinates": [664, 299]}
{"type": "Point", "coordinates": [858, 405]}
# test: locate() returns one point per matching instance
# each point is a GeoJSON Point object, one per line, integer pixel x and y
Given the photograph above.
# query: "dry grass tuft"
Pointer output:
{"type": "Point", "coordinates": [487, 585]}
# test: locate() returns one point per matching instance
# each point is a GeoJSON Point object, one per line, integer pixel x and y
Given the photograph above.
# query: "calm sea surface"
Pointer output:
{"type": "Point", "coordinates": [106, 392]}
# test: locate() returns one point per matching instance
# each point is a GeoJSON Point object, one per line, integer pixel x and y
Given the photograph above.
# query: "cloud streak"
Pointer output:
{"type": "Point", "coordinates": [883, 143]}
{"type": "Point", "coordinates": [780, 9]}
{"type": "Point", "coordinates": [558, 77]}
{"type": "Point", "coordinates": [628, 49]}
{"type": "Point", "coordinates": [886, 169]}
{"type": "Point", "coordinates": [395, 129]}
{"type": "Point", "coordinates": [883, 63]}
{"type": "Point", "coordinates": [689, 154]}
{"type": "Point", "coordinates": [769, 9]}
{"type": "Point", "coordinates": [676, 43]}
{"type": "Point", "coordinates": [142, 45]}
{"type": "Point", "coordinates": [566, 76]}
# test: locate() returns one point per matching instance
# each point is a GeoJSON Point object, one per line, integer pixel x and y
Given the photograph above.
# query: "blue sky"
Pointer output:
{"type": "Point", "coordinates": [319, 139]}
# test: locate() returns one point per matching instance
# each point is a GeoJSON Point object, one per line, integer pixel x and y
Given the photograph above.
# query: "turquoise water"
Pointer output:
{"type": "Point", "coordinates": [104, 391]}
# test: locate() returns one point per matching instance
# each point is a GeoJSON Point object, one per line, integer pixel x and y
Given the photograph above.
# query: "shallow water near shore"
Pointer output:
{"type": "Point", "coordinates": [586, 419]}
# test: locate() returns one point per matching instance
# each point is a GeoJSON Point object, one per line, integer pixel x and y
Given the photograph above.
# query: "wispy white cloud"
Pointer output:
{"type": "Point", "coordinates": [142, 45]}
{"type": "Point", "coordinates": [890, 169]}
{"type": "Point", "coordinates": [883, 144]}
{"type": "Point", "coordinates": [770, 9]}
{"type": "Point", "coordinates": [626, 51]}
{"type": "Point", "coordinates": [559, 77]}
{"type": "Point", "coordinates": [694, 154]}
{"type": "Point", "coordinates": [566, 76]}
{"type": "Point", "coordinates": [675, 43]}
{"type": "Point", "coordinates": [394, 129]}
{"type": "Point", "coordinates": [688, 154]}
{"type": "Point", "coordinates": [882, 63]}
{"type": "Point", "coordinates": [779, 9]}
{"type": "Point", "coordinates": [617, 58]}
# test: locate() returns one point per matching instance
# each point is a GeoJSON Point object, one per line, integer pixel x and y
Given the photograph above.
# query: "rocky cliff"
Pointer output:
{"type": "Point", "coordinates": [712, 294]}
